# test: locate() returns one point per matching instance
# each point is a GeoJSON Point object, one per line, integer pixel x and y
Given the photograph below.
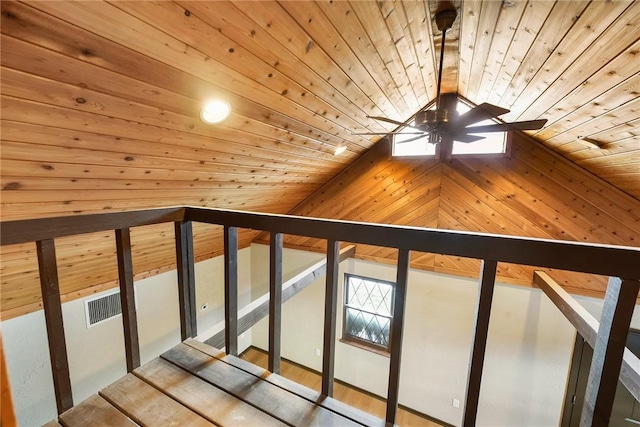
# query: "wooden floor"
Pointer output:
{"type": "Point", "coordinates": [349, 395]}
{"type": "Point", "coordinates": [177, 389]}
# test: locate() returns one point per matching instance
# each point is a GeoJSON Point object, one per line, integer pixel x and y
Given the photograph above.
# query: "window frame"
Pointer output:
{"type": "Point", "coordinates": [361, 342]}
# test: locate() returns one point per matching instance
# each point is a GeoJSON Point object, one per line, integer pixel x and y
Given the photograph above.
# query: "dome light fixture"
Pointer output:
{"type": "Point", "coordinates": [340, 150]}
{"type": "Point", "coordinates": [215, 111]}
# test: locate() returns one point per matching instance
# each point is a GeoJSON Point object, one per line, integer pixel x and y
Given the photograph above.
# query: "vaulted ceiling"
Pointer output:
{"type": "Point", "coordinates": [101, 112]}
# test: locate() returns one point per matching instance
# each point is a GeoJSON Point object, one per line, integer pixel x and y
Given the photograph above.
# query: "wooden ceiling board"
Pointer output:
{"type": "Point", "coordinates": [556, 25]}
{"type": "Point", "coordinates": [583, 49]}
{"type": "Point", "coordinates": [101, 112]}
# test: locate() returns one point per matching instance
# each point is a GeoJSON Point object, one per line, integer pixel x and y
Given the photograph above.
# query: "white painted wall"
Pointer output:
{"type": "Point", "coordinates": [96, 354]}
{"type": "Point", "coordinates": [528, 350]}
{"type": "Point", "coordinates": [290, 267]}
{"type": "Point", "coordinates": [210, 291]}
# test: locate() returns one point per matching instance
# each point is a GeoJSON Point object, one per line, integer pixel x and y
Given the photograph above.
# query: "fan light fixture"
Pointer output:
{"type": "Point", "coordinates": [340, 150]}
{"type": "Point", "coordinates": [215, 111]}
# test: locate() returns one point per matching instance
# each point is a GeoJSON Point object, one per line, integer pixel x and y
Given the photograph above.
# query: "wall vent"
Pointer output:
{"type": "Point", "coordinates": [102, 308]}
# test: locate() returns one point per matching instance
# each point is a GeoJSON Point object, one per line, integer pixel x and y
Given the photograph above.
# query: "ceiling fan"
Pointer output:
{"type": "Point", "coordinates": [444, 121]}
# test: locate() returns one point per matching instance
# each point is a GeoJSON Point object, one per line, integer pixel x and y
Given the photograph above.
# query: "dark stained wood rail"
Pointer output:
{"type": "Point", "coordinates": [622, 263]}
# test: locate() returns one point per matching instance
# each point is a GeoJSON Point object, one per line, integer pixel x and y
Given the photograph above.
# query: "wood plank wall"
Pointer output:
{"type": "Point", "coordinates": [534, 192]}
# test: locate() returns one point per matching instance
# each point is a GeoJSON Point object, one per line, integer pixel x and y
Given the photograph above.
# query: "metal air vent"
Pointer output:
{"type": "Point", "coordinates": [102, 308]}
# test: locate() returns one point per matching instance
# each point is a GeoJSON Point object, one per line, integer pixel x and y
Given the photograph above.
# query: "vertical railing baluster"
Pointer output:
{"type": "Point", "coordinates": [619, 302]}
{"type": "Point", "coordinates": [186, 279]}
{"type": "Point", "coordinates": [275, 301]}
{"type": "Point", "coordinates": [127, 298]}
{"type": "Point", "coordinates": [397, 327]}
{"type": "Point", "coordinates": [330, 304]}
{"type": "Point", "coordinates": [479, 344]}
{"type": "Point", "coordinates": [231, 290]}
{"type": "Point", "coordinates": [55, 327]}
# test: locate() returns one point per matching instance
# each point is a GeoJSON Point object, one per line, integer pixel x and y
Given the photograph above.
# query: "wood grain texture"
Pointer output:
{"type": "Point", "coordinates": [279, 403]}
{"type": "Point", "coordinates": [197, 395]}
{"type": "Point", "coordinates": [300, 389]}
{"type": "Point", "coordinates": [101, 103]}
{"type": "Point", "coordinates": [344, 394]}
{"type": "Point", "coordinates": [148, 406]}
{"type": "Point", "coordinates": [8, 415]}
{"type": "Point", "coordinates": [95, 411]}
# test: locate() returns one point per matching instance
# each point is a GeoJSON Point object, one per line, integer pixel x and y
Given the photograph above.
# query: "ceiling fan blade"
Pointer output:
{"type": "Point", "coordinates": [422, 135]}
{"type": "Point", "coordinates": [466, 138]}
{"type": "Point", "coordinates": [387, 133]}
{"type": "Point", "coordinates": [482, 112]}
{"type": "Point", "coordinates": [393, 122]}
{"type": "Point", "coordinates": [384, 119]}
{"type": "Point", "coordinates": [503, 127]}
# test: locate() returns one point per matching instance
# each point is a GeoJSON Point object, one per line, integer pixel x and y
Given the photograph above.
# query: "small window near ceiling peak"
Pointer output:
{"type": "Point", "coordinates": [367, 312]}
{"type": "Point", "coordinates": [405, 143]}
{"type": "Point", "coordinates": [493, 142]}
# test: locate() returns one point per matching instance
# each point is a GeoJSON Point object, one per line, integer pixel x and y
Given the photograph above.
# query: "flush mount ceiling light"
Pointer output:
{"type": "Point", "coordinates": [593, 143]}
{"type": "Point", "coordinates": [340, 150]}
{"type": "Point", "coordinates": [215, 111]}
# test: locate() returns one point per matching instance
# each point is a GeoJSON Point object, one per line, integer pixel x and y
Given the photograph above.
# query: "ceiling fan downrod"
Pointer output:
{"type": "Point", "coordinates": [444, 21]}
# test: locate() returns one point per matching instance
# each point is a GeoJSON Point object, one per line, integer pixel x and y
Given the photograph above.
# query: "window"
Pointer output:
{"type": "Point", "coordinates": [493, 142]}
{"type": "Point", "coordinates": [417, 147]}
{"type": "Point", "coordinates": [367, 311]}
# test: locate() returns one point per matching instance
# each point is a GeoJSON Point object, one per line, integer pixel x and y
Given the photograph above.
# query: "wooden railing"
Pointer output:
{"type": "Point", "coordinates": [621, 263]}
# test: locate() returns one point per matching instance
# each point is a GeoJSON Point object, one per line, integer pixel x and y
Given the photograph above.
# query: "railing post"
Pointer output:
{"type": "Point", "coordinates": [275, 301]}
{"type": "Point", "coordinates": [479, 345]}
{"type": "Point", "coordinates": [619, 302]}
{"type": "Point", "coordinates": [186, 279]}
{"type": "Point", "coordinates": [397, 327]}
{"type": "Point", "coordinates": [55, 328]}
{"type": "Point", "coordinates": [127, 298]}
{"type": "Point", "coordinates": [231, 290]}
{"type": "Point", "coordinates": [330, 304]}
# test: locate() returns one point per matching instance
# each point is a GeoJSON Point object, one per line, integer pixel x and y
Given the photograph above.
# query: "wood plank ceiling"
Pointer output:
{"type": "Point", "coordinates": [101, 105]}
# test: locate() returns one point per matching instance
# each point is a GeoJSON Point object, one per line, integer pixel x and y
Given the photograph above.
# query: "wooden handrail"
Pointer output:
{"type": "Point", "coordinates": [32, 230]}
{"type": "Point", "coordinates": [606, 260]}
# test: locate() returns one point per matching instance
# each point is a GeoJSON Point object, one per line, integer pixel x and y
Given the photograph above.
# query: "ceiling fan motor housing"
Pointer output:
{"type": "Point", "coordinates": [429, 120]}
{"type": "Point", "coordinates": [445, 18]}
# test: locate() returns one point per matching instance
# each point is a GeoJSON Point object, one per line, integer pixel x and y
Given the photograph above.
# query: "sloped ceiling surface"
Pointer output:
{"type": "Point", "coordinates": [101, 104]}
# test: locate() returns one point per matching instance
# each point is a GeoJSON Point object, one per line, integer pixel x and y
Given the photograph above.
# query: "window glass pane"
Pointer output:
{"type": "Point", "coordinates": [419, 147]}
{"type": "Point", "coordinates": [369, 295]}
{"type": "Point", "coordinates": [494, 142]}
{"type": "Point", "coordinates": [368, 305]}
{"type": "Point", "coordinates": [368, 327]}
